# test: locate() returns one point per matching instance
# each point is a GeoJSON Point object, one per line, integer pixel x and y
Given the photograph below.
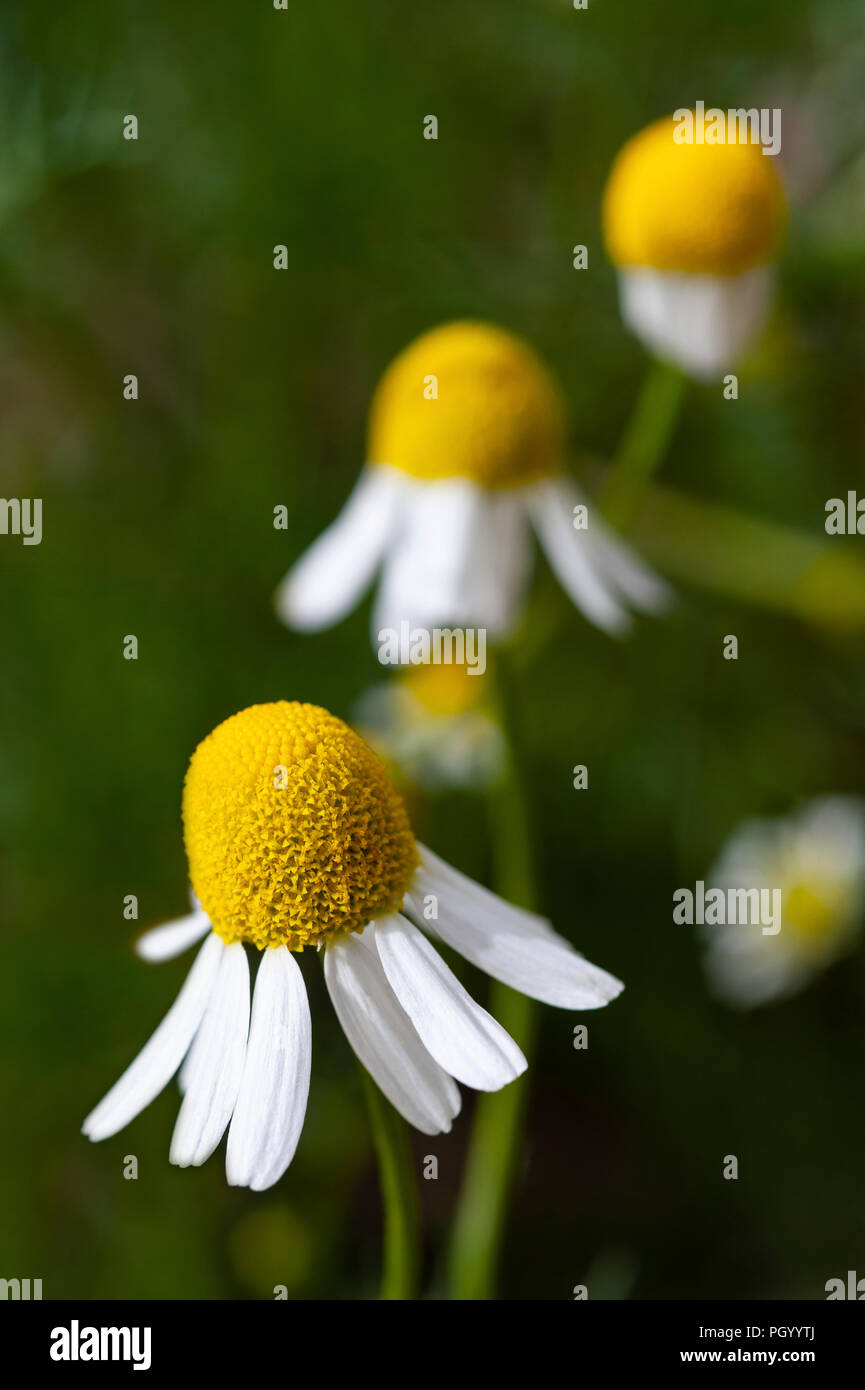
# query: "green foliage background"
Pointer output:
{"type": "Point", "coordinates": [304, 127]}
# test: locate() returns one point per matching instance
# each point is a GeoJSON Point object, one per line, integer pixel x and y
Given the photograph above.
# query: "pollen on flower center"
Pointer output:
{"type": "Point", "coordinates": [715, 209]}
{"type": "Point", "coordinates": [293, 830]}
{"type": "Point", "coordinates": [468, 400]}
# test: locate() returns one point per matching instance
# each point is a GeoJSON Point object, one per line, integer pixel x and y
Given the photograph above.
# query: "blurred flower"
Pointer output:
{"type": "Point", "coordinates": [433, 724]}
{"type": "Point", "coordinates": [296, 838]}
{"type": "Point", "coordinates": [692, 229]}
{"type": "Point", "coordinates": [467, 436]}
{"type": "Point", "coordinates": [816, 859]}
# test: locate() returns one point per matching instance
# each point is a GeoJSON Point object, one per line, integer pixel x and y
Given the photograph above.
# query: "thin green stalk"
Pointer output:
{"type": "Point", "coordinates": [498, 1120]}
{"type": "Point", "coordinates": [813, 576]}
{"type": "Point", "coordinates": [399, 1196]}
{"type": "Point", "coordinates": [644, 443]}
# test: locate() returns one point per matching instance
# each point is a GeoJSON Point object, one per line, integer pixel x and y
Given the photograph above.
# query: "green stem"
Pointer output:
{"type": "Point", "coordinates": [818, 578]}
{"type": "Point", "coordinates": [398, 1195]}
{"type": "Point", "coordinates": [644, 443]}
{"type": "Point", "coordinates": [498, 1119]}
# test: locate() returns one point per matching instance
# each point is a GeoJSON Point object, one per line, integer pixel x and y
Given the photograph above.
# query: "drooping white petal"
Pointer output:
{"type": "Point", "coordinates": [160, 1057]}
{"type": "Point", "coordinates": [500, 562]}
{"type": "Point", "coordinates": [702, 323]}
{"type": "Point", "coordinates": [332, 576]}
{"type": "Point", "coordinates": [516, 947]}
{"type": "Point", "coordinates": [172, 938]}
{"type": "Point", "coordinates": [188, 1064]}
{"type": "Point", "coordinates": [614, 560]}
{"type": "Point", "coordinates": [485, 899]}
{"type": "Point", "coordinates": [571, 556]}
{"type": "Point", "coordinates": [426, 576]}
{"type": "Point", "coordinates": [271, 1106]}
{"type": "Point", "coordinates": [461, 1036]}
{"type": "Point", "coordinates": [212, 1081]}
{"type": "Point", "coordinates": [384, 1039]}
{"type": "Point", "coordinates": [627, 573]}
{"type": "Point", "coordinates": [186, 1068]}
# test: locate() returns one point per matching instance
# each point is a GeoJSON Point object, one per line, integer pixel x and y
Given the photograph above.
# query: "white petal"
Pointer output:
{"type": "Point", "coordinates": [212, 1080]}
{"type": "Point", "coordinates": [627, 573]}
{"type": "Point", "coordinates": [616, 562]}
{"type": "Point", "coordinates": [332, 576]}
{"type": "Point", "coordinates": [382, 1036]}
{"type": "Point", "coordinates": [501, 560]}
{"type": "Point", "coordinates": [513, 946]}
{"type": "Point", "coordinates": [484, 898]}
{"type": "Point", "coordinates": [271, 1106]}
{"type": "Point", "coordinates": [172, 938]}
{"type": "Point", "coordinates": [462, 1037]}
{"type": "Point", "coordinates": [160, 1057]}
{"type": "Point", "coordinates": [702, 323]}
{"type": "Point", "coordinates": [426, 578]}
{"type": "Point", "coordinates": [571, 557]}
{"type": "Point", "coordinates": [186, 1068]}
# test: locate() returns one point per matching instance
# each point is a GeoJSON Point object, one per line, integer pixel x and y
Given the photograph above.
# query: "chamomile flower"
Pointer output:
{"type": "Point", "coordinates": [466, 442]}
{"type": "Point", "coordinates": [297, 840]}
{"type": "Point", "coordinates": [434, 724]}
{"type": "Point", "coordinates": [693, 229]}
{"type": "Point", "coordinates": [815, 859]}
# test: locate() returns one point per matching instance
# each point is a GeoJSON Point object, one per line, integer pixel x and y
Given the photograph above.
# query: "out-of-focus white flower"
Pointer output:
{"type": "Point", "coordinates": [816, 858]}
{"type": "Point", "coordinates": [692, 229]}
{"type": "Point", "coordinates": [467, 439]}
{"type": "Point", "coordinates": [434, 725]}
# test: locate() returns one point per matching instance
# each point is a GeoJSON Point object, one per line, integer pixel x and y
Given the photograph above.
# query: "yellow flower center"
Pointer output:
{"type": "Point", "coordinates": [293, 830]}
{"type": "Point", "coordinates": [444, 689]}
{"type": "Point", "coordinates": [711, 209]}
{"type": "Point", "coordinates": [806, 914]}
{"type": "Point", "coordinates": [468, 400]}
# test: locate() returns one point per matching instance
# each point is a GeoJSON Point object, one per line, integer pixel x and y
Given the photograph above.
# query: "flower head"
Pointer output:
{"type": "Point", "coordinates": [435, 725]}
{"type": "Point", "coordinates": [815, 861]}
{"type": "Point", "coordinates": [707, 209]}
{"type": "Point", "coordinates": [296, 837]}
{"type": "Point", "coordinates": [294, 832]}
{"type": "Point", "coordinates": [496, 416]}
{"type": "Point", "coordinates": [466, 440]}
{"type": "Point", "coordinates": [692, 229]}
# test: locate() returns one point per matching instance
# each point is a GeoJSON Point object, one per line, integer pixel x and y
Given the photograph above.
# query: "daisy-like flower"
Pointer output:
{"type": "Point", "coordinates": [816, 859]}
{"type": "Point", "coordinates": [297, 839]}
{"type": "Point", "coordinates": [433, 723]}
{"type": "Point", "coordinates": [692, 229]}
{"type": "Point", "coordinates": [467, 438]}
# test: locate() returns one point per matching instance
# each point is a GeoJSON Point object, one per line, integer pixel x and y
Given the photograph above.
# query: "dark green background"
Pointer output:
{"type": "Point", "coordinates": [260, 127]}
